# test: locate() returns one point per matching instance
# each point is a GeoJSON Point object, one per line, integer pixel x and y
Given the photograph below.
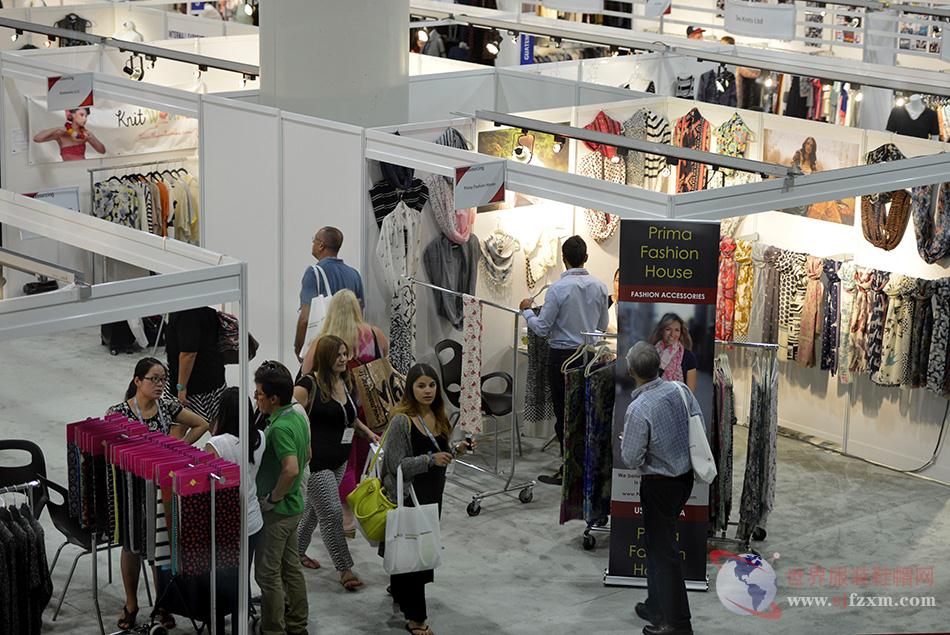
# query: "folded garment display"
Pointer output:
{"type": "Point", "coordinates": [126, 482]}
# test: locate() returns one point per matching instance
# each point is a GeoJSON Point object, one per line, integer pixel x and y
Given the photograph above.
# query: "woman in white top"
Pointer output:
{"type": "Point", "coordinates": [226, 444]}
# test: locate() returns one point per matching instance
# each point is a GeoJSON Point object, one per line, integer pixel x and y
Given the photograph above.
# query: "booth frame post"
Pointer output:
{"type": "Point", "coordinates": [243, 427]}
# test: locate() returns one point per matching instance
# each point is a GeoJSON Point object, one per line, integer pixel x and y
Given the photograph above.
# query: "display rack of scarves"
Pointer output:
{"type": "Point", "coordinates": [726, 292]}
{"type": "Point", "coordinates": [588, 443]}
{"type": "Point", "coordinates": [165, 204]}
{"type": "Point", "coordinates": [692, 130]}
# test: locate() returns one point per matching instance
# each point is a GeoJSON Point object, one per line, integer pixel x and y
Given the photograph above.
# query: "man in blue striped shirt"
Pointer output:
{"type": "Point", "coordinates": [655, 442]}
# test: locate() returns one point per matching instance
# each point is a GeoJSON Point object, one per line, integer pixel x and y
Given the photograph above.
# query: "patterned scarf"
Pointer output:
{"type": "Point", "coordinates": [875, 328]}
{"type": "Point", "coordinates": [937, 361]}
{"type": "Point", "coordinates": [923, 322]}
{"type": "Point", "coordinates": [898, 329]}
{"type": "Point", "coordinates": [470, 399]}
{"type": "Point", "coordinates": [829, 316]}
{"type": "Point", "coordinates": [456, 224]}
{"type": "Point", "coordinates": [791, 298]}
{"type": "Point", "coordinates": [744, 284]}
{"type": "Point", "coordinates": [933, 235]}
{"type": "Point", "coordinates": [601, 225]}
{"type": "Point", "coordinates": [726, 296]}
{"type": "Point", "coordinates": [810, 311]}
{"type": "Point", "coordinates": [498, 255]}
{"type": "Point", "coordinates": [845, 345]}
{"type": "Point", "coordinates": [773, 284]}
{"type": "Point", "coordinates": [859, 318]}
{"type": "Point", "coordinates": [671, 360]}
{"type": "Point", "coordinates": [759, 275]}
{"type": "Point", "coordinates": [402, 327]}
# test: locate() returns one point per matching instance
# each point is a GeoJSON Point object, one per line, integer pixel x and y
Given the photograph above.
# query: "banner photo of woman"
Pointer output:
{"type": "Point", "coordinates": [108, 129]}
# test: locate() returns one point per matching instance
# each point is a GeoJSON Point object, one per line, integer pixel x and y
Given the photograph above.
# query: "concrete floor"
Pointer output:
{"type": "Point", "coordinates": [513, 569]}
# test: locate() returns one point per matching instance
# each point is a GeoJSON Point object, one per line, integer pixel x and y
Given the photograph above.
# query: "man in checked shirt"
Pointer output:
{"type": "Point", "coordinates": [655, 442]}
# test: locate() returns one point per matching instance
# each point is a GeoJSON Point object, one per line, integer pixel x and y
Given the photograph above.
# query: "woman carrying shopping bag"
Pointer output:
{"type": "Point", "coordinates": [418, 442]}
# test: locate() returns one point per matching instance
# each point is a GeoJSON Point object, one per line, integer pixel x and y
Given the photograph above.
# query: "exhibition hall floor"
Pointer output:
{"type": "Point", "coordinates": [513, 569]}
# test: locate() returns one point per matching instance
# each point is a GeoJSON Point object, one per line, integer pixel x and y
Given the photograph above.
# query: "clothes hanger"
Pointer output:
{"type": "Point", "coordinates": [602, 350]}
{"type": "Point", "coordinates": [580, 351]}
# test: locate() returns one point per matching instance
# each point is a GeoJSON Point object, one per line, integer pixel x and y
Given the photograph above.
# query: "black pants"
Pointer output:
{"type": "Point", "coordinates": [556, 381]}
{"type": "Point", "coordinates": [409, 592]}
{"type": "Point", "coordinates": [663, 499]}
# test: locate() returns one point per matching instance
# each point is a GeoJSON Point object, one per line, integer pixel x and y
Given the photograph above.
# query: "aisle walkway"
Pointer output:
{"type": "Point", "coordinates": [512, 569]}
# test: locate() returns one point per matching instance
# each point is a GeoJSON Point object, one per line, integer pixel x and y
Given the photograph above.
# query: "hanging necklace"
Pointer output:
{"type": "Point", "coordinates": [498, 251]}
{"type": "Point", "coordinates": [932, 220]}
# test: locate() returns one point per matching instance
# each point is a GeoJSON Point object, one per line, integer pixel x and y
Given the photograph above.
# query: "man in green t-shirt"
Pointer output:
{"type": "Point", "coordinates": [286, 452]}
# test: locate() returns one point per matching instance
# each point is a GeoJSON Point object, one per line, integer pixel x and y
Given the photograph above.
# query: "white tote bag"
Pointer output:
{"type": "Point", "coordinates": [318, 309]}
{"type": "Point", "coordinates": [413, 537]}
{"type": "Point", "coordinates": [700, 455]}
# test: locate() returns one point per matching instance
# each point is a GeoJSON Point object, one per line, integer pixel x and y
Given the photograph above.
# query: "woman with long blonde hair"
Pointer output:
{"type": "Point", "coordinates": [365, 343]}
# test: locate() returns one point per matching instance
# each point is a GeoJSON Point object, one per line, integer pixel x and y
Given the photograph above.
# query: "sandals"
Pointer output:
{"type": "Point", "coordinates": [127, 621]}
{"type": "Point", "coordinates": [419, 630]}
{"type": "Point", "coordinates": [164, 618]}
{"type": "Point", "coordinates": [309, 562]}
{"type": "Point", "coordinates": [350, 582]}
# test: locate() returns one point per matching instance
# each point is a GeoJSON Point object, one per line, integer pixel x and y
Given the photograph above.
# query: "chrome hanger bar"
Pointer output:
{"type": "Point", "coordinates": [762, 345]}
{"type": "Point", "coordinates": [608, 336]}
{"type": "Point", "coordinates": [22, 488]}
{"type": "Point", "coordinates": [619, 141]}
{"type": "Point", "coordinates": [456, 293]}
{"type": "Point", "coordinates": [140, 165]}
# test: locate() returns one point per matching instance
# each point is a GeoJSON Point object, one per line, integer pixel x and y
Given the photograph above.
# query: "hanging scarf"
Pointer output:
{"type": "Point", "coordinates": [846, 301]}
{"type": "Point", "coordinates": [811, 312]}
{"type": "Point", "coordinates": [773, 283]}
{"type": "Point", "coordinates": [498, 252]}
{"type": "Point", "coordinates": [603, 123]}
{"type": "Point", "coordinates": [671, 360]}
{"type": "Point", "coordinates": [539, 257]}
{"type": "Point", "coordinates": [830, 302]}
{"type": "Point", "coordinates": [875, 328]}
{"type": "Point", "coordinates": [470, 399]}
{"type": "Point", "coordinates": [601, 225]}
{"type": "Point", "coordinates": [791, 298]}
{"type": "Point", "coordinates": [859, 318]}
{"type": "Point", "coordinates": [933, 235]}
{"type": "Point", "coordinates": [922, 329]}
{"type": "Point", "coordinates": [726, 294]}
{"type": "Point", "coordinates": [744, 281]}
{"type": "Point", "coordinates": [885, 228]}
{"type": "Point", "coordinates": [757, 302]}
{"type": "Point", "coordinates": [937, 360]}
{"type": "Point", "coordinates": [456, 224]}
{"type": "Point", "coordinates": [895, 348]}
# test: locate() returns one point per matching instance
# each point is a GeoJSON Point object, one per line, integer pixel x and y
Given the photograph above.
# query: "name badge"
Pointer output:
{"type": "Point", "coordinates": [347, 436]}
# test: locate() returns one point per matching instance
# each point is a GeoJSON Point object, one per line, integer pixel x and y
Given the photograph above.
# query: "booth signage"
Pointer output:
{"type": "Point", "coordinates": [480, 184]}
{"type": "Point", "coordinates": [666, 267]}
{"type": "Point", "coordinates": [656, 8]}
{"type": "Point", "coordinates": [760, 20]}
{"type": "Point", "coordinates": [584, 6]}
{"type": "Point", "coordinates": [66, 197]}
{"type": "Point", "coordinates": [527, 49]}
{"type": "Point", "coordinates": [66, 92]}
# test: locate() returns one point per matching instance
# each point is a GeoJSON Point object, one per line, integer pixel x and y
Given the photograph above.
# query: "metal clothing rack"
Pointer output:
{"type": "Point", "coordinates": [526, 493]}
{"type": "Point", "coordinates": [23, 488]}
{"type": "Point", "coordinates": [97, 258]}
{"type": "Point", "coordinates": [759, 533]}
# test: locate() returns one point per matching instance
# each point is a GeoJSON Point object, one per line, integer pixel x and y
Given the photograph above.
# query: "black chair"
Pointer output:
{"type": "Point", "coordinates": [494, 403]}
{"type": "Point", "coordinates": [18, 475]}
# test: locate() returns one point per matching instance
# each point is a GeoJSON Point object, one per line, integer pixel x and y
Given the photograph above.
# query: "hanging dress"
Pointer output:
{"type": "Point", "coordinates": [692, 131]}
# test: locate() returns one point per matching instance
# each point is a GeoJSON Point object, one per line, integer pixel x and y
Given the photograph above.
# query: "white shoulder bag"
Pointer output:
{"type": "Point", "coordinates": [318, 309]}
{"type": "Point", "coordinates": [413, 536]}
{"type": "Point", "coordinates": [700, 455]}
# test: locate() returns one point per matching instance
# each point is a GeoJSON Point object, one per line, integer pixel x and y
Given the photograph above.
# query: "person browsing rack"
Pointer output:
{"type": "Point", "coordinates": [575, 304]}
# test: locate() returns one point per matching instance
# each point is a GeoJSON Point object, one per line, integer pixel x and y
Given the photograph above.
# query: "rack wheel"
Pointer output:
{"type": "Point", "coordinates": [157, 629]}
{"type": "Point", "coordinates": [473, 509]}
{"type": "Point", "coordinates": [526, 495]}
{"type": "Point", "coordinates": [759, 534]}
{"type": "Point", "coordinates": [589, 542]}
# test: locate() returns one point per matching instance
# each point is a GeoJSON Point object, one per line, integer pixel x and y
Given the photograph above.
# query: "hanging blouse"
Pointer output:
{"type": "Point", "coordinates": [773, 288]}
{"type": "Point", "coordinates": [830, 302]}
{"type": "Point", "coordinates": [860, 312]}
{"type": "Point", "coordinates": [898, 326]}
{"type": "Point", "coordinates": [732, 139]}
{"type": "Point", "coordinates": [385, 196]}
{"type": "Point", "coordinates": [601, 225]}
{"type": "Point", "coordinates": [683, 87]}
{"type": "Point", "coordinates": [726, 295]}
{"type": "Point", "coordinates": [811, 311]}
{"type": "Point", "coordinates": [791, 298]}
{"type": "Point", "coordinates": [399, 245]}
{"type": "Point", "coordinates": [757, 304]}
{"type": "Point", "coordinates": [643, 168]}
{"type": "Point", "coordinates": [744, 283]}
{"type": "Point", "coordinates": [937, 360]}
{"type": "Point", "coordinates": [875, 328]}
{"type": "Point", "coordinates": [846, 302]}
{"type": "Point", "coordinates": [655, 165]}
{"type": "Point", "coordinates": [922, 329]}
{"type": "Point", "coordinates": [692, 131]}
{"type": "Point", "coordinates": [933, 236]}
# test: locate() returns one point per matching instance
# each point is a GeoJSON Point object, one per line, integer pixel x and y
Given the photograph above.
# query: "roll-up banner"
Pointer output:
{"type": "Point", "coordinates": [667, 268]}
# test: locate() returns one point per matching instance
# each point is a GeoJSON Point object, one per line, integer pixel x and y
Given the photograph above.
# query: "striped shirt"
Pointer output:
{"type": "Point", "coordinates": [384, 197]}
{"type": "Point", "coordinates": [656, 429]}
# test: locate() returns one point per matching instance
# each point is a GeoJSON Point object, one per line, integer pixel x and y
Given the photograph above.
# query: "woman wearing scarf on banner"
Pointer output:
{"type": "Point", "coordinates": [673, 343]}
{"type": "Point", "coordinates": [72, 137]}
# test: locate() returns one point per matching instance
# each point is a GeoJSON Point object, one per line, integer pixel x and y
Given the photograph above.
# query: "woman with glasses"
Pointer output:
{"type": "Point", "coordinates": [145, 402]}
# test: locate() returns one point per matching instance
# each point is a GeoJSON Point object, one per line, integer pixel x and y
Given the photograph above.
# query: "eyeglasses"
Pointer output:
{"type": "Point", "coordinates": [158, 380]}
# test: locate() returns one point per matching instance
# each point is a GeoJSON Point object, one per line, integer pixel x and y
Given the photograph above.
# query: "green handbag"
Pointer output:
{"type": "Point", "coordinates": [368, 502]}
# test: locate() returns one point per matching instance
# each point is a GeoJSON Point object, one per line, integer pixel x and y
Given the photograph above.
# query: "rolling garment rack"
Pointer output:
{"type": "Point", "coordinates": [23, 488]}
{"type": "Point", "coordinates": [526, 488]}
{"type": "Point", "coordinates": [759, 533]}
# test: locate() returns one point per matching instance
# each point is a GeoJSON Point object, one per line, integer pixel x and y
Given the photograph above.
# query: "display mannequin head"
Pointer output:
{"type": "Point", "coordinates": [643, 362]}
{"type": "Point", "coordinates": [574, 252]}
{"type": "Point", "coordinates": [915, 106]}
{"type": "Point", "coordinates": [327, 243]}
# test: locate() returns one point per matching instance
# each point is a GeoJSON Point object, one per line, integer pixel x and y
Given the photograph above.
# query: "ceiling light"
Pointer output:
{"type": "Point", "coordinates": [900, 102]}
{"type": "Point", "coordinates": [16, 34]}
{"type": "Point", "coordinates": [49, 41]}
{"type": "Point", "coordinates": [248, 9]}
{"type": "Point", "coordinates": [423, 35]}
{"type": "Point", "coordinates": [493, 46]}
{"type": "Point", "coordinates": [557, 42]}
{"type": "Point", "coordinates": [514, 36]}
{"type": "Point", "coordinates": [858, 96]}
{"type": "Point", "coordinates": [558, 144]}
{"type": "Point", "coordinates": [769, 82]}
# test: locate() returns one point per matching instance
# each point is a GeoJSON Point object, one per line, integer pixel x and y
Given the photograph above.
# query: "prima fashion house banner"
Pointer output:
{"type": "Point", "coordinates": [668, 273]}
{"type": "Point", "coordinates": [108, 129]}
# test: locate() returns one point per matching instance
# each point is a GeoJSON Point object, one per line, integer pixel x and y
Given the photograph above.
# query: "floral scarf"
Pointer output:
{"type": "Point", "coordinates": [933, 234]}
{"type": "Point", "coordinates": [671, 360]}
